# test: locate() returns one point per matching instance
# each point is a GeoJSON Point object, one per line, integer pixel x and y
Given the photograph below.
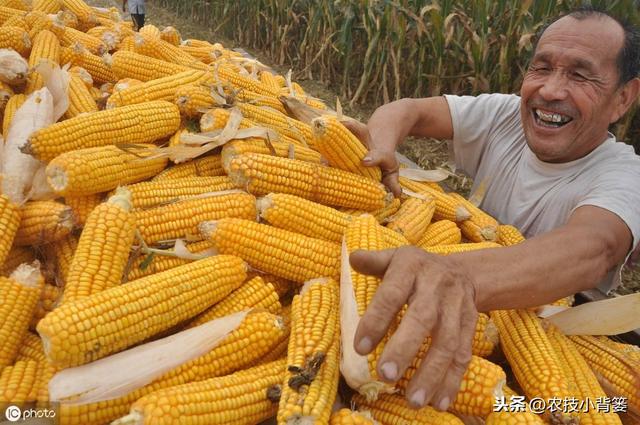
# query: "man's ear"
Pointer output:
{"type": "Point", "coordinates": [626, 96]}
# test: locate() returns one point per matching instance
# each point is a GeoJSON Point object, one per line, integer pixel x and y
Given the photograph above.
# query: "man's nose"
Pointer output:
{"type": "Point", "coordinates": [554, 87]}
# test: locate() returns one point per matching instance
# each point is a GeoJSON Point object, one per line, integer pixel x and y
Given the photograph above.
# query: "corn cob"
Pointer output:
{"type": "Point", "coordinates": [481, 226]}
{"type": "Point", "coordinates": [43, 222]}
{"type": "Point", "coordinates": [446, 207]}
{"type": "Point", "coordinates": [258, 334]}
{"type": "Point", "coordinates": [48, 301]}
{"type": "Point", "coordinates": [159, 49]}
{"type": "Point", "coordinates": [443, 232]}
{"type": "Point", "coordinates": [10, 217]}
{"type": "Point", "coordinates": [461, 247]}
{"type": "Point", "coordinates": [89, 171]}
{"type": "Point", "coordinates": [382, 215]}
{"type": "Point", "coordinates": [45, 47]}
{"type": "Point", "coordinates": [247, 396]}
{"type": "Point", "coordinates": [281, 286]}
{"type": "Point", "coordinates": [15, 38]}
{"type": "Point", "coordinates": [255, 293]}
{"type": "Point", "coordinates": [31, 348]}
{"type": "Point", "coordinates": [193, 98]}
{"type": "Point", "coordinates": [391, 409]}
{"type": "Point", "coordinates": [262, 146]}
{"type": "Point", "coordinates": [509, 235]}
{"type": "Point", "coordinates": [158, 192]}
{"type": "Point", "coordinates": [171, 35]}
{"type": "Point", "coordinates": [565, 302]}
{"type": "Point", "coordinates": [630, 350]}
{"type": "Point", "coordinates": [140, 265]}
{"type": "Point", "coordinates": [261, 174]}
{"type": "Point", "coordinates": [290, 255]}
{"type": "Point", "coordinates": [80, 9]}
{"type": "Point", "coordinates": [413, 218]}
{"type": "Point", "coordinates": [256, 99]}
{"type": "Point", "coordinates": [95, 65]}
{"type": "Point", "coordinates": [618, 372]}
{"type": "Point", "coordinates": [202, 53]}
{"type": "Point", "coordinates": [514, 418]}
{"type": "Point", "coordinates": [582, 381]}
{"type": "Point", "coordinates": [419, 187]}
{"type": "Point", "coordinates": [530, 354]}
{"type": "Point", "coordinates": [19, 295]}
{"type": "Point", "coordinates": [280, 351]}
{"type": "Point", "coordinates": [68, 18]}
{"type": "Point", "coordinates": [311, 382]}
{"type": "Point", "coordinates": [181, 219]}
{"type": "Point", "coordinates": [340, 147]}
{"type": "Point", "coordinates": [164, 88]}
{"type": "Point", "coordinates": [81, 206]}
{"type": "Point", "coordinates": [47, 6]}
{"type": "Point", "coordinates": [103, 249]}
{"type": "Point", "coordinates": [485, 338]}
{"type": "Point", "coordinates": [10, 109]}
{"type": "Point", "coordinates": [196, 43]}
{"type": "Point", "coordinates": [80, 99]}
{"type": "Point", "coordinates": [93, 44]}
{"type": "Point", "coordinates": [86, 78]}
{"type": "Point", "coordinates": [39, 21]}
{"type": "Point", "coordinates": [125, 83]}
{"type": "Point", "coordinates": [206, 166]}
{"type": "Point", "coordinates": [278, 121]}
{"type": "Point", "coordinates": [15, 4]}
{"type": "Point", "coordinates": [133, 124]}
{"type": "Point", "coordinates": [16, 256]}
{"type": "Point", "coordinates": [8, 12]}
{"type": "Point", "coordinates": [123, 315]}
{"type": "Point", "coordinates": [126, 64]}
{"type": "Point", "coordinates": [62, 253]}
{"type": "Point", "coordinates": [268, 79]}
{"type": "Point", "coordinates": [18, 383]}
{"type": "Point", "coordinates": [16, 21]}
{"type": "Point", "coordinates": [351, 417]}
{"type": "Point", "coordinates": [150, 31]}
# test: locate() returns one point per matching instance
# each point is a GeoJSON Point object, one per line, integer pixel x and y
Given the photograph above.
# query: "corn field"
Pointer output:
{"type": "Point", "coordinates": [379, 50]}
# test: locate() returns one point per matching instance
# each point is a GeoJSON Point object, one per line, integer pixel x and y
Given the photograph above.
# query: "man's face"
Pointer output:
{"type": "Point", "coordinates": [570, 92]}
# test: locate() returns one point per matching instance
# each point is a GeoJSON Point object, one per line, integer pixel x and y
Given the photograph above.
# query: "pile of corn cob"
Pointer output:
{"type": "Point", "coordinates": [189, 184]}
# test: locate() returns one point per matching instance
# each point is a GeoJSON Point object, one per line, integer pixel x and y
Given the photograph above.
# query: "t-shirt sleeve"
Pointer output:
{"type": "Point", "coordinates": [476, 120]}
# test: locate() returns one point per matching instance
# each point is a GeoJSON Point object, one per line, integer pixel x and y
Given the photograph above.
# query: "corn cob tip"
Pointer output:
{"type": "Point", "coordinates": [207, 228]}
{"type": "Point", "coordinates": [263, 204]}
{"type": "Point", "coordinates": [57, 177]}
{"type": "Point", "coordinates": [308, 283]}
{"type": "Point", "coordinates": [26, 148]}
{"type": "Point", "coordinates": [462, 213]}
{"type": "Point", "coordinates": [489, 233]}
{"type": "Point", "coordinates": [319, 126]}
{"type": "Point", "coordinates": [133, 418]}
{"type": "Point", "coordinates": [27, 274]}
{"type": "Point", "coordinates": [122, 198]}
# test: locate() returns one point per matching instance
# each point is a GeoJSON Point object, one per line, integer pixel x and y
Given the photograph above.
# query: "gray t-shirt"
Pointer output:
{"type": "Point", "coordinates": [136, 7]}
{"type": "Point", "coordinates": [536, 196]}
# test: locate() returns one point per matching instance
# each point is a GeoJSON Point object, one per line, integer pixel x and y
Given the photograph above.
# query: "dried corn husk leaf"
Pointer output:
{"type": "Point", "coordinates": [14, 69]}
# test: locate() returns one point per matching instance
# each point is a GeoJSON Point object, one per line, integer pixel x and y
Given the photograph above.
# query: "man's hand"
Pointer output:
{"type": "Point", "coordinates": [441, 299]}
{"type": "Point", "coordinates": [381, 155]}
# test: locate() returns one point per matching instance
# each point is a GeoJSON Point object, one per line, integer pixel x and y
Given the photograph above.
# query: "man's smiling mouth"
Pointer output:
{"type": "Point", "coordinates": [550, 119]}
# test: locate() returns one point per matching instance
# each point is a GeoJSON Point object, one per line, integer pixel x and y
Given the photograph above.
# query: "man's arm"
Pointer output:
{"type": "Point", "coordinates": [391, 123]}
{"type": "Point", "coordinates": [444, 294]}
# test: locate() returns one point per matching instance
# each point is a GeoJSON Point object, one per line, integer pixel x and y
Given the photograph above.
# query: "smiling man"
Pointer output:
{"type": "Point", "coordinates": [551, 168]}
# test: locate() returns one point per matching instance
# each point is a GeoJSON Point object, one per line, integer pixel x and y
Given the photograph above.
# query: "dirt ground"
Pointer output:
{"type": "Point", "coordinates": [428, 154]}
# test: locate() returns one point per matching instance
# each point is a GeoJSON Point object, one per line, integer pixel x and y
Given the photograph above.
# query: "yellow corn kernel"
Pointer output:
{"type": "Point", "coordinates": [461, 247]}
{"type": "Point", "coordinates": [95, 65]}
{"type": "Point", "coordinates": [150, 31]}
{"type": "Point", "coordinates": [394, 409]}
{"type": "Point", "coordinates": [16, 21]}
{"type": "Point", "coordinates": [206, 166]}
{"type": "Point", "coordinates": [509, 235]}
{"type": "Point", "coordinates": [8, 12]}
{"type": "Point", "coordinates": [19, 295]}
{"type": "Point", "coordinates": [263, 146]}
{"type": "Point", "coordinates": [49, 298]}
{"type": "Point", "coordinates": [15, 38]}
{"type": "Point", "coordinates": [257, 335]}
{"type": "Point", "coordinates": [19, 383]}
{"type": "Point", "coordinates": [254, 293]}
{"type": "Point", "coordinates": [80, 98]}
{"type": "Point", "coordinates": [106, 322]}
{"type": "Point", "coordinates": [340, 147]}
{"type": "Point", "coordinates": [16, 256]}
{"type": "Point", "coordinates": [279, 122]}
{"type": "Point", "coordinates": [47, 6]}
{"type": "Point", "coordinates": [134, 124]}
{"type": "Point", "coordinates": [79, 8]}
{"type": "Point", "coordinates": [45, 47]}
{"type": "Point", "coordinates": [103, 249]}
{"type": "Point", "coordinates": [43, 222]}
{"type": "Point", "coordinates": [61, 254]}
{"type": "Point", "coordinates": [127, 64]}
{"type": "Point", "coordinates": [171, 35]}
{"type": "Point", "coordinates": [82, 205]}
{"type": "Point", "coordinates": [10, 217]}
{"type": "Point", "coordinates": [281, 286]}
{"type": "Point", "coordinates": [412, 218]}
{"type": "Point", "coordinates": [94, 45]}
{"type": "Point", "coordinates": [31, 348]}
{"type": "Point", "coordinates": [10, 109]}
{"type": "Point", "coordinates": [262, 174]}
{"type": "Point", "coordinates": [382, 215]}
{"type": "Point", "coordinates": [192, 99]}
{"type": "Point", "coordinates": [157, 48]}
{"type": "Point", "coordinates": [481, 226]}
{"type": "Point", "coordinates": [282, 253]}
{"type": "Point", "coordinates": [181, 219]}
{"type": "Point", "coordinates": [310, 385]}
{"type": "Point", "coordinates": [350, 417]}
{"type": "Point", "coordinates": [419, 187]}
{"type": "Point", "coordinates": [247, 396]}
{"type": "Point", "coordinates": [443, 232]}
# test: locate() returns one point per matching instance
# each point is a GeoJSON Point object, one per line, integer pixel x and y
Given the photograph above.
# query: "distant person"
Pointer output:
{"type": "Point", "coordinates": [136, 8]}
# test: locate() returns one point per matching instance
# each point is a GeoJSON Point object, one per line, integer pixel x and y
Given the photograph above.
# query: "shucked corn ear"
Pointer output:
{"type": "Point", "coordinates": [351, 417]}
{"type": "Point", "coordinates": [95, 65]}
{"type": "Point", "coordinates": [413, 218]}
{"type": "Point", "coordinates": [181, 219]}
{"type": "Point", "coordinates": [19, 295]}
{"type": "Point", "coordinates": [103, 248]}
{"type": "Point", "coordinates": [126, 64]}
{"type": "Point", "coordinates": [16, 256]}
{"type": "Point", "coordinates": [393, 409]}
{"type": "Point", "coordinates": [82, 205]}
{"type": "Point", "coordinates": [276, 251]}
{"type": "Point", "coordinates": [443, 232]}
{"type": "Point", "coordinates": [88, 171]}
{"type": "Point", "coordinates": [262, 174]}
{"type": "Point", "coordinates": [310, 385]}
{"type": "Point", "coordinates": [43, 222]}
{"type": "Point", "coordinates": [19, 383]}
{"type": "Point", "coordinates": [341, 147]}
{"type": "Point", "coordinates": [10, 216]}
{"type": "Point", "coordinates": [258, 334]}
{"type": "Point", "coordinates": [263, 146]}
{"type": "Point", "coordinates": [142, 123]}
{"type": "Point", "coordinates": [481, 226]}
{"type": "Point", "coordinates": [15, 38]}
{"type": "Point", "coordinates": [119, 317]}
{"type": "Point", "coordinates": [246, 396]}
{"type": "Point", "coordinates": [509, 235]}
{"type": "Point", "coordinates": [206, 166]}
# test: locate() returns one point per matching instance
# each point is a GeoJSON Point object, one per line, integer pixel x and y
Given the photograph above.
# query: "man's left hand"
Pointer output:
{"type": "Point", "coordinates": [441, 299]}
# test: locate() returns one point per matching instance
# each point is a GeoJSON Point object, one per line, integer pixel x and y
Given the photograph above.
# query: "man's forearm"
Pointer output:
{"type": "Point", "coordinates": [538, 271]}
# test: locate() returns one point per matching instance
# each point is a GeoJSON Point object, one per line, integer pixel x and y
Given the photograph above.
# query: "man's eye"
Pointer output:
{"type": "Point", "coordinates": [540, 68]}
{"type": "Point", "coordinates": [578, 76]}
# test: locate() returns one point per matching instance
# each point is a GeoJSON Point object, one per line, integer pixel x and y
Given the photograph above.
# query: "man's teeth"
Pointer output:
{"type": "Point", "coordinates": [552, 117]}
